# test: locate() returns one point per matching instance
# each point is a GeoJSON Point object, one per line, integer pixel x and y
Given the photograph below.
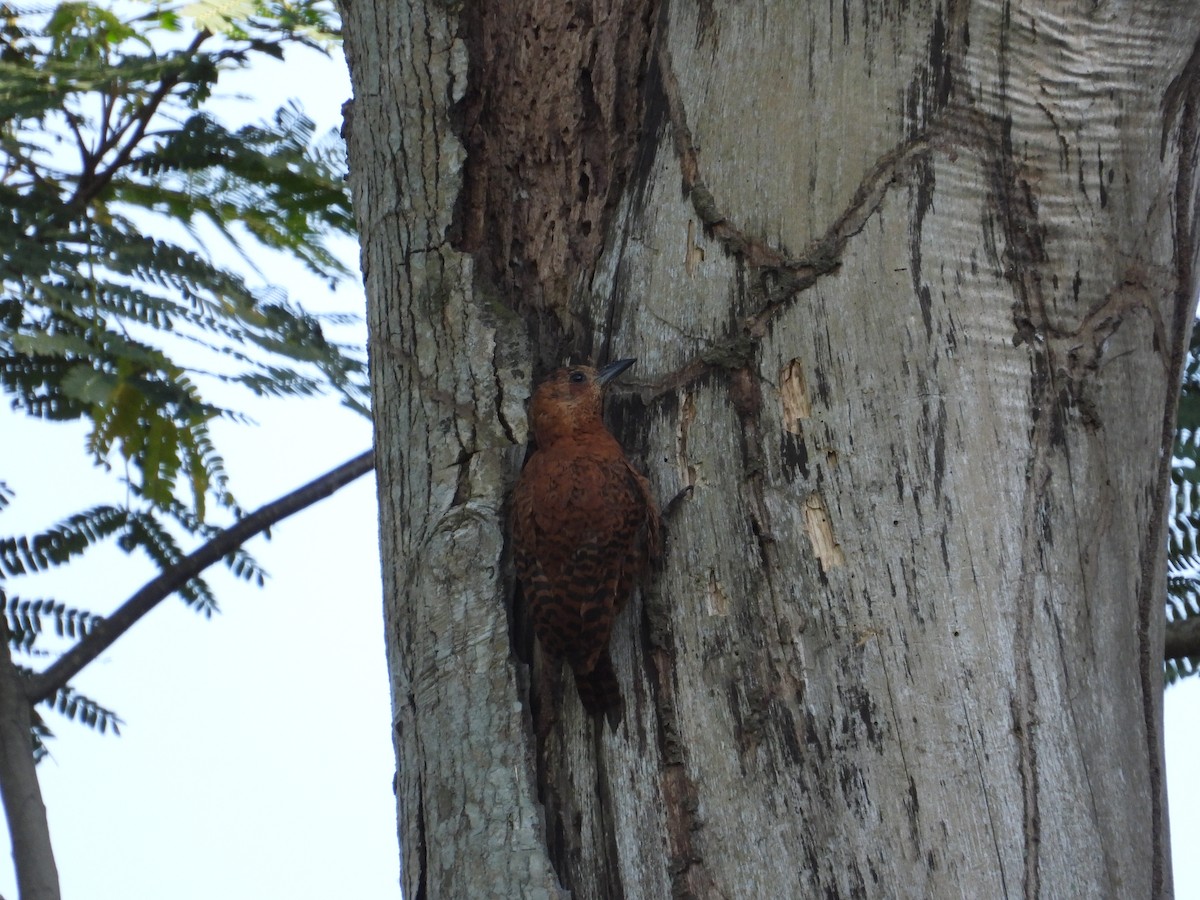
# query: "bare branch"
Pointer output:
{"type": "Point", "coordinates": [77, 132]}
{"type": "Point", "coordinates": [93, 180]}
{"type": "Point", "coordinates": [1183, 639]}
{"type": "Point", "coordinates": [106, 632]}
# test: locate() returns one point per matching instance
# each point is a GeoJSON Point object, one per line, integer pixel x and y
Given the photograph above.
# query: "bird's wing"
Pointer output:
{"type": "Point", "coordinates": [582, 529]}
{"type": "Point", "coordinates": [529, 547]}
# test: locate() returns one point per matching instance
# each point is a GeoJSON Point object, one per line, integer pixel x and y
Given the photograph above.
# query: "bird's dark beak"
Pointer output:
{"type": "Point", "coordinates": [612, 370]}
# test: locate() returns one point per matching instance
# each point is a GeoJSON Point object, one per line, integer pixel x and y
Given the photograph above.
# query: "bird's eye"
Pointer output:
{"type": "Point", "coordinates": [577, 378]}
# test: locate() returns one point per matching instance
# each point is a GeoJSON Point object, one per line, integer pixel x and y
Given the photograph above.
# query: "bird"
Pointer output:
{"type": "Point", "coordinates": [585, 529]}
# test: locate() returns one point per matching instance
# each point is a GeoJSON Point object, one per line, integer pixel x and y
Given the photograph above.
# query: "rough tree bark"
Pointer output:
{"type": "Point", "coordinates": [909, 286]}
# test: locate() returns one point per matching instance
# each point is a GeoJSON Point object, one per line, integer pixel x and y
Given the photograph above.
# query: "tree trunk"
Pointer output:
{"type": "Point", "coordinates": [909, 288]}
{"type": "Point", "coordinates": [33, 856]}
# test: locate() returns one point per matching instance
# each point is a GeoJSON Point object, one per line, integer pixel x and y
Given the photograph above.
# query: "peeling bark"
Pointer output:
{"type": "Point", "coordinates": [910, 290]}
{"type": "Point", "coordinates": [551, 123]}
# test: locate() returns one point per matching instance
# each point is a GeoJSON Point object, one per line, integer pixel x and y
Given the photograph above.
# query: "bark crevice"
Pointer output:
{"type": "Point", "coordinates": [777, 277]}
{"type": "Point", "coordinates": [688, 876]}
{"type": "Point", "coordinates": [1023, 252]}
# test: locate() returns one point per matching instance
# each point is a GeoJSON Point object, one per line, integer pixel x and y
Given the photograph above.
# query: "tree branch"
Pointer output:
{"type": "Point", "coordinates": [43, 685]}
{"type": "Point", "coordinates": [33, 857]}
{"type": "Point", "coordinates": [93, 180]}
{"type": "Point", "coordinates": [1183, 639]}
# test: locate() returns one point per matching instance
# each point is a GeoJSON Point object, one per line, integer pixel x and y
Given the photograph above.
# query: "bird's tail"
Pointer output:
{"type": "Point", "coordinates": [599, 691]}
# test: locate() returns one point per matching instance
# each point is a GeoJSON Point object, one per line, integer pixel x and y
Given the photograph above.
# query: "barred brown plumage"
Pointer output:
{"type": "Point", "coordinates": [584, 527]}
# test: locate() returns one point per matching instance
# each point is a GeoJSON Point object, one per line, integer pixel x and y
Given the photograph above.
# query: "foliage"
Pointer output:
{"type": "Point", "coordinates": [111, 311]}
{"type": "Point", "coordinates": [1183, 558]}
{"type": "Point", "coordinates": [135, 530]}
{"type": "Point", "coordinates": [25, 621]}
{"type": "Point", "coordinates": [77, 707]}
{"type": "Point", "coordinates": [114, 172]}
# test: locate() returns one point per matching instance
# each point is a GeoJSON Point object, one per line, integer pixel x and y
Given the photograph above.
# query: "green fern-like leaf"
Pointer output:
{"type": "Point", "coordinates": [61, 543]}
{"type": "Point", "coordinates": [93, 306]}
{"type": "Point", "coordinates": [240, 562]}
{"type": "Point", "coordinates": [147, 533]}
{"type": "Point", "coordinates": [107, 145]}
{"type": "Point", "coordinates": [77, 707]}
{"type": "Point", "coordinates": [25, 620]}
{"type": "Point", "coordinates": [1177, 669]}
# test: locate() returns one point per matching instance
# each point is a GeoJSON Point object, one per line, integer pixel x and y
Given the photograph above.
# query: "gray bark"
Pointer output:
{"type": "Point", "coordinates": [909, 291]}
{"type": "Point", "coordinates": [24, 809]}
{"type": "Point", "coordinates": [449, 380]}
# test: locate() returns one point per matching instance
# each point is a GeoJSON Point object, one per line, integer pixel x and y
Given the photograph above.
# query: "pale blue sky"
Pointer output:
{"type": "Point", "coordinates": [256, 760]}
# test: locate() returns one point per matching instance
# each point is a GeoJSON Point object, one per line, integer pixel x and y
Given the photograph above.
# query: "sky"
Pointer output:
{"type": "Point", "coordinates": [256, 759]}
{"type": "Point", "coordinates": [1182, 713]}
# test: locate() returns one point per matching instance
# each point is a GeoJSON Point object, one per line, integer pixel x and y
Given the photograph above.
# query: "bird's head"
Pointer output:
{"type": "Point", "coordinates": [571, 401]}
